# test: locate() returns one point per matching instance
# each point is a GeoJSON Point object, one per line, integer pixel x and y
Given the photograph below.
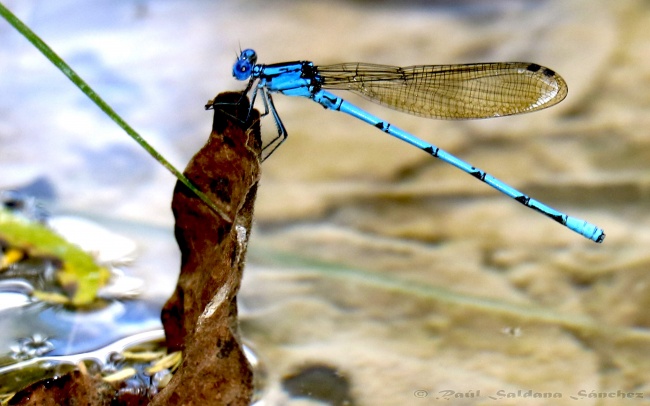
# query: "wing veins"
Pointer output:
{"type": "Point", "coordinates": [451, 91]}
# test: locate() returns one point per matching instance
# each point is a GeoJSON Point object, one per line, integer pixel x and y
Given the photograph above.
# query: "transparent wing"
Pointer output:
{"type": "Point", "coordinates": [451, 91]}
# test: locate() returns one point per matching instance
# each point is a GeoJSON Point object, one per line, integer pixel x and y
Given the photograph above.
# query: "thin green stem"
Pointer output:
{"type": "Point", "coordinates": [88, 91]}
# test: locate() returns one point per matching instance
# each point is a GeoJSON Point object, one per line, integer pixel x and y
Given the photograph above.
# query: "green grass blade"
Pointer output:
{"type": "Point", "coordinates": [88, 91]}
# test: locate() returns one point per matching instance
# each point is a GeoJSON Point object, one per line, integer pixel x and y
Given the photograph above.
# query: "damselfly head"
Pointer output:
{"type": "Point", "coordinates": [243, 68]}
